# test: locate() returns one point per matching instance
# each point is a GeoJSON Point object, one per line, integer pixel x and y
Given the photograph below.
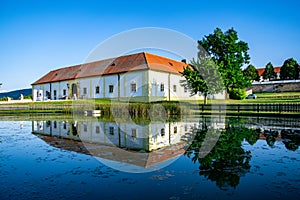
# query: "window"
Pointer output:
{"type": "Point", "coordinates": [162, 132]}
{"type": "Point", "coordinates": [48, 123]}
{"type": "Point", "coordinates": [133, 133]}
{"type": "Point", "coordinates": [65, 125]}
{"type": "Point", "coordinates": [185, 128]}
{"type": "Point", "coordinates": [175, 129]}
{"type": "Point", "coordinates": [84, 91]}
{"type": "Point", "coordinates": [85, 128]}
{"type": "Point", "coordinates": [162, 87]}
{"type": "Point", "coordinates": [54, 94]}
{"type": "Point", "coordinates": [111, 89]}
{"type": "Point", "coordinates": [111, 130]}
{"type": "Point", "coordinates": [133, 87]}
{"type": "Point", "coordinates": [185, 89]}
{"type": "Point", "coordinates": [54, 124]}
{"type": "Point", "coordinates": [97, 129]}
{"type": "Point", "coordinates": [154, 138]}
{"type": "Point", "coordinates": [174, 88]}
{"type": "Point", "coordinates": [97, 89]}
{"type": "Point", "coordinates": [64, 92]}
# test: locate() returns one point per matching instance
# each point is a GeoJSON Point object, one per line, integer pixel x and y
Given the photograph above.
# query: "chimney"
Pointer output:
{"type": "Point", "coordinates": [183, 60]}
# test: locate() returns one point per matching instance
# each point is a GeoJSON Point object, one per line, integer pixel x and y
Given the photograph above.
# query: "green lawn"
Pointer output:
{"type": "Point", "coordinates": [282, 97]}
{"type": "Point", "coordinates": [278, 95]}
{"type": "Point", "coordinates": [267, 97]}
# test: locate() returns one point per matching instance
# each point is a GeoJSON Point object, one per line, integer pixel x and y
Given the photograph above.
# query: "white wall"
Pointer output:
{"type": "Point", "coordinates": [84, 84]}
{"type": "Point", "coordinates": [38, 92]}
{"type": "Point", "coordinates": [63, 86]}
{"type": "Point", "coordinates": [54, 87]}
{"type": "Point", "coordinates": [169, 80]}
{"type": "Point", "coordinates": [110, 80]}
{"type": "Point", "coordinates": [35, 92]}
{"type": "Point", "coordinates": [98, 81]}
{"type": "Point", "coordinates": [131, 78]}
{"type": "Point", "coordinates": [156, 79]}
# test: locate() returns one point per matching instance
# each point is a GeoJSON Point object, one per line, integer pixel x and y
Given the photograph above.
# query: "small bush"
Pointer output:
{"type": "Point", "coordinates": [237, 94]}
{"type": "Point", "coordinates": [28, 96]}
{"type": "Point", "coordinates": [4, 99]}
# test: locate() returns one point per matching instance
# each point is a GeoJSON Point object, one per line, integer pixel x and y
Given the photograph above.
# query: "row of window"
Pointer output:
{"type": "Point", "coordinates": [111, 89]}
{"type": "Point", "coordinates": [162, 88]}
{"type": "Point", "coordinates": [133, 131]}
{"type": "Point", "coordinates": [133, 88]}
{"type": "Point", "coordinates": [111, 129]}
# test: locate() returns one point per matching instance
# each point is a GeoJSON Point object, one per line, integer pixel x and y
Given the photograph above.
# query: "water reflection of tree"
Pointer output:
{"type": "Point", "coordinates": [290, 138]}
{"type": "Point", "coordinates": [227, 161]}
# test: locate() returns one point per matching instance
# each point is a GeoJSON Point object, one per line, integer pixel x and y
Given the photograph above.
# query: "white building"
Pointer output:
{"type": "Point", "coordinates": [137, 77]}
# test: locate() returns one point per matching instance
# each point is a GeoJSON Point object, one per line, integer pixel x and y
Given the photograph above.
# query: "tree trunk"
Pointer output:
{"type": "Point", "coordinates": [205, 99]}
{"type": "Point", "coordinates": [226, 94]}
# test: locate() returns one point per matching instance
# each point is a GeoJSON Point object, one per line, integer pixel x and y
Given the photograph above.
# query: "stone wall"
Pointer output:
{"type": "Point", "coordinates": [275, 87]}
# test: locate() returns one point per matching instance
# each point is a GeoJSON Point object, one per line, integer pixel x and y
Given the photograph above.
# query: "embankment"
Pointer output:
{"type": "Point", "coordinates": [275, 86]}
{"type": "Point", "coordinates": [150, 110]}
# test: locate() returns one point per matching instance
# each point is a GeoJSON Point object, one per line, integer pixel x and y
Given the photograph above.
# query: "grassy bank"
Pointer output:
{"type": "Point", "coordinates": [280, 103]}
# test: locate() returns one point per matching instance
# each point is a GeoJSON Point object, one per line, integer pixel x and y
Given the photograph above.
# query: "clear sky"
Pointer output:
{"type": "Point", "coordinates": [39, 36]}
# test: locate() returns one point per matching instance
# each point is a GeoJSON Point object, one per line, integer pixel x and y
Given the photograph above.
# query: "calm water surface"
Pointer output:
{"type": "Point", "coordinates": [45, 159]}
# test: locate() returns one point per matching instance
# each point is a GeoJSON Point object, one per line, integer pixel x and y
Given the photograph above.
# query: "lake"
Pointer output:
{"type": "Point", "coordinates": [195, 157]}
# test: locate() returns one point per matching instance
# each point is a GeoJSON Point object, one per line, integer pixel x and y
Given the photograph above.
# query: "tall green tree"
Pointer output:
{"type": "Point", "coordinates": [229, 53]}
{"type": "Point", "coordinates": [252, 73]}
{"type": "Point", "coordinates": [269, 72]}
{"type": "Point", "coordinates": [203, 76]}
{"type": "Point", "coordinates": [289, 69]}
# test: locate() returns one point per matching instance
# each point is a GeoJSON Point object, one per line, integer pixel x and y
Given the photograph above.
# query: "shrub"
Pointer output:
{"type": "Point", "coordinates": [5, 99]}
{"type": "Point", "coordinates": [237, 94]}
{"type": "Point", "coordinates": [28, 96]}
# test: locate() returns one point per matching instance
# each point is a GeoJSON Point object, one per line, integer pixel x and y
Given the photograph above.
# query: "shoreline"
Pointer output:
{"type": "Point", "coordinates": [141, 109]}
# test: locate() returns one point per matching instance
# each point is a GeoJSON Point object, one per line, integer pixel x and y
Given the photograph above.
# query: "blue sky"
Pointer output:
{"type": "Point", "coordinates": [39, 36]}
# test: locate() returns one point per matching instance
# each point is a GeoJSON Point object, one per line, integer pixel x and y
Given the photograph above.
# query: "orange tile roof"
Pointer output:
{"type": "Point", "coordinates": [160, 63]}
{"type": "Point", "coordinates": [122, 64]}
{"type": "Point", "coordinates": [261, 70]}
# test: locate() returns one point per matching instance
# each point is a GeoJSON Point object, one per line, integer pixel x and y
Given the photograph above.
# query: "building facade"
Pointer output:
{"type": "Point", "coordinates": [137, 77]}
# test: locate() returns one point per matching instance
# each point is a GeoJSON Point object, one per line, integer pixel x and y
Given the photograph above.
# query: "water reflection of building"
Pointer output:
{"type": "Point", "coordinates": [121, 142]}
{"type": "Point", "coordinates": [125, 135]}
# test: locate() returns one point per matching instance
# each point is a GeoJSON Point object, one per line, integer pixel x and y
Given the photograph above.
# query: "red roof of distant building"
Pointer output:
{"type": "Point", "coordinates": [122, 64]}
{"type": "Point", "coordinates": [261, 70]}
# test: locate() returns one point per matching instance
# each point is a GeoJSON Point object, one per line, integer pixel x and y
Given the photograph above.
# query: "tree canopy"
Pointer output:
{"type": "Point", "coordinates": [252, 73]}
{"type": "Point", "coordinates": [289, 70]}
{"type": "Point", "coordinates": [203, 76]}
{"type": "Point", "coordinates": [229, 53]}
{"type": "Point", "coordinates": [269, 72]}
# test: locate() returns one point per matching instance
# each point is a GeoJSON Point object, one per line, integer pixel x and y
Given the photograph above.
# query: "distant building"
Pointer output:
{"type": "Point", "coordinates": [261, 73]}
{"type": "Point", "coordinates": [142, 77]}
